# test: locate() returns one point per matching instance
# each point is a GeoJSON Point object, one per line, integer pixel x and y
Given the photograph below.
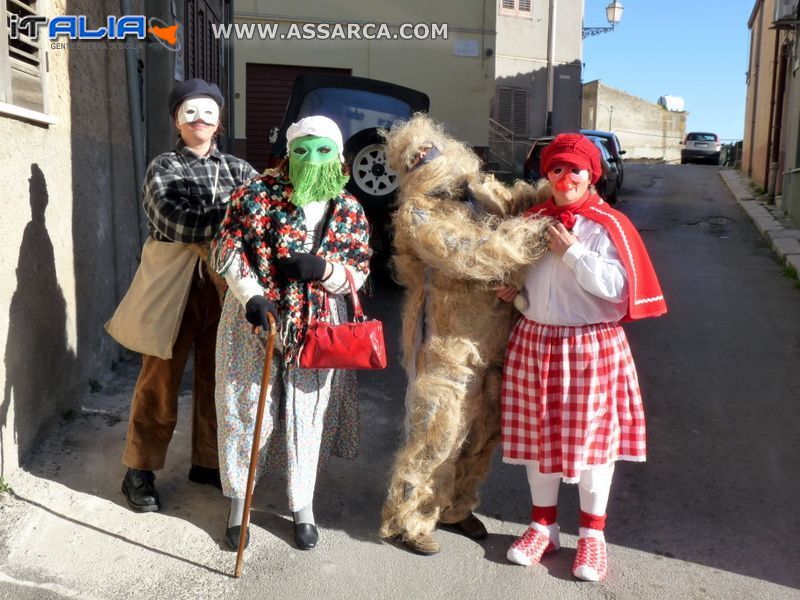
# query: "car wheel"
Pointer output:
{"type": "Point", "coordinates": [371, 179]}
{"type": "Point", "coordinates": [684, 161]}
{"type": "Point", "coordinates": [374, 184]}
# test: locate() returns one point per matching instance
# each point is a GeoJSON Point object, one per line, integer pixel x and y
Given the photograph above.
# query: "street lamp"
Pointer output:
{"type": "Point", "coordinates": [613, 14]}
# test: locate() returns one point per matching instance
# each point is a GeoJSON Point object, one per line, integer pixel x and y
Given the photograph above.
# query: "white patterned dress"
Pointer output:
{"type": "Point", "coordinates": [309, 412]}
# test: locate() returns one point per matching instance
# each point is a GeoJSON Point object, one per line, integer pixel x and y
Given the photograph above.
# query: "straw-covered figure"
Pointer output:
{"type": "Point", "coordinates": [456, 240]}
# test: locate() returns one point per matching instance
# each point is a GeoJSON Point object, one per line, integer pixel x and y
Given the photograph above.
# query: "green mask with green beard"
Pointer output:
{"type": "Point", "coordinates": [314, 170]}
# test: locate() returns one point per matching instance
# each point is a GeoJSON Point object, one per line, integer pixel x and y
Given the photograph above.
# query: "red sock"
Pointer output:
{"type": "Point", "coordinates": [544, 515]}
{"type": "Point", "coordinates": [596, 522]}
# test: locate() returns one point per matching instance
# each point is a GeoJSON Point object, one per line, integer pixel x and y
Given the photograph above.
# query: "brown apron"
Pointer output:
{"type": "Point", "coordinates": [149, 316]}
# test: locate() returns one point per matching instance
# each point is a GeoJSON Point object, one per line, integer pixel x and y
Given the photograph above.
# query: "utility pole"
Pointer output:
{"type": "Point", "coordinates": [551, 52]}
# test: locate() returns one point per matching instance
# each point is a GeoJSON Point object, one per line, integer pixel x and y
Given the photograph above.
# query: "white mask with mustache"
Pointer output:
{"type": "Point", "coordinates": [198, 109]}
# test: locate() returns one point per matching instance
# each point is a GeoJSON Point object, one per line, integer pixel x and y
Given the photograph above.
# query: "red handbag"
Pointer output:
{"type": "Point", "coordinates": [353, 345]}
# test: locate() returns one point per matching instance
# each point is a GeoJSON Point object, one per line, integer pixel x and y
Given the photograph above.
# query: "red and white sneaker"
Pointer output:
{"type": "Point", "coordinates": [591, 561]}
{"type": "Point", "coordinates": [537, 541]}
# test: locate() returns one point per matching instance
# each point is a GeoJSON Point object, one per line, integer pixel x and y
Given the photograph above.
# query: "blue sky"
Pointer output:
{"type": "Point", "coordinates": [696, 49]}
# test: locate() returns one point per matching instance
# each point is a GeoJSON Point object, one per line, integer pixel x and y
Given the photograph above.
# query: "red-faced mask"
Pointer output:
{"type": "Point", "coordinates": [565, 177]}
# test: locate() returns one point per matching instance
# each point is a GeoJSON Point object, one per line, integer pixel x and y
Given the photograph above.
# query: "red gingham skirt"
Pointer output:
{"type": "Point", "coordinates": [571, 398]}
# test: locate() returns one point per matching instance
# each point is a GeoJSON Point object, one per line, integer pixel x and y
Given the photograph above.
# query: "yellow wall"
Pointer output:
{"type": "Point", "coordinates": [460, 88]}
{"type": "Point", "coordinates": [759, 94]}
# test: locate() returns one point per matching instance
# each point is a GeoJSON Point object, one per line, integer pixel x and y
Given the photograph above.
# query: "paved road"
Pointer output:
{"type": "Point", "coordinates": [712, 514]}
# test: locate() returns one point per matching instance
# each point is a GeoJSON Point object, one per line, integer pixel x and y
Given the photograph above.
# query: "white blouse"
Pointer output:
{"type": "Point", "coordinates": [587, 285]}
{"type": "Point", "coordinates": [245, 288]}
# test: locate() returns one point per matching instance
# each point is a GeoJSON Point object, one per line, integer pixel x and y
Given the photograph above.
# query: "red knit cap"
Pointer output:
{"type": "Point", "coordinates": [572, 149]}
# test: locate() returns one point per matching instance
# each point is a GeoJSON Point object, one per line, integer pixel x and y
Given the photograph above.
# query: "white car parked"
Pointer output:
{"type": "Point", "coordinates": [701, 147]}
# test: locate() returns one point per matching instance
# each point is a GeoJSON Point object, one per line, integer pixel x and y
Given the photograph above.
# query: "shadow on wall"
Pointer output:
{"type": "Point", "coordinates": [42, 371]}
{"type": "Point", "coordinates": [530, 119]}
{"type": "Point", "coordinates": [38, 361]}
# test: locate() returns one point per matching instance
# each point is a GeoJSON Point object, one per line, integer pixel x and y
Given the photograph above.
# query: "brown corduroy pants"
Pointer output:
{"type": "Point", "coordinates": [154, 409]}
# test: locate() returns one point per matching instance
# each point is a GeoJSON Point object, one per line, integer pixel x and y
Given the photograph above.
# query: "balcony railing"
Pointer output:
{"type": "Point", "coordinates": [501, 146]}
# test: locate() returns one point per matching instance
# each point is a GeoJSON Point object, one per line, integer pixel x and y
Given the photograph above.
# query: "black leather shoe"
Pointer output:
{"type": "Point", "coordinates": [200, 474]}
{"type": "Point", "coordinates": [470, 526]}
{"type": "Point", "coordinates": [233, 535]}
{"type": "Point", "coordinates": [305, 535]}
{"type": "Point", "coordinates": [140, 490]}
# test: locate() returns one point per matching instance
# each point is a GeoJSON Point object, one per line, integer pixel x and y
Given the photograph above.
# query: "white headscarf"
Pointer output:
{"type": "Point", "coordinates": [319, 126]}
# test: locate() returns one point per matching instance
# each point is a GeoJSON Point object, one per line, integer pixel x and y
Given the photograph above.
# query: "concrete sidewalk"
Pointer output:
{"type": "Point", "coordinates": [680, 527]}
{"type": "Point", "coordinates": [781, 234]}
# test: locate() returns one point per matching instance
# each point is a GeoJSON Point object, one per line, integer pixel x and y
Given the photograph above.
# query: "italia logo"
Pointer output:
{"type": "Point", "coordinates": [76, 27]}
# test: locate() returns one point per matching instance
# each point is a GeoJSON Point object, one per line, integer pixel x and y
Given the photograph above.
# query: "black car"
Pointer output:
{"type": "Point", "coordinates": [611, 142]}
{"type": "Point", "coordinates": [606, 186]}
{"type": "Point", "coordinates": [530, 169]}
{"type": "Point", "coordinates": [359, 106]}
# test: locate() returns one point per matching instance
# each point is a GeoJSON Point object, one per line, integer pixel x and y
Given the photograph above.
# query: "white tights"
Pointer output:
{"type": "Point", "coordinates": [594, 487]}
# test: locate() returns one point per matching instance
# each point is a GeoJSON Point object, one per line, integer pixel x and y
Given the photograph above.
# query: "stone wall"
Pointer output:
{"type": "Point", "coordinates": [645, 129]}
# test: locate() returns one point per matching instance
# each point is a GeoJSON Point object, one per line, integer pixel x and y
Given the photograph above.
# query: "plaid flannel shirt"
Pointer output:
{"type": "Point", "coordinates": [186, 196]}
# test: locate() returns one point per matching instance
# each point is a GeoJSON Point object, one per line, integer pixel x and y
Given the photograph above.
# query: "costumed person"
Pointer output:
{"type": "Point", "coordinates": [172, 304]}
{"type": "Point", "coordinates": [288, 240]}
{"type": "Point", "coordinates": [571, 402]}
{"type": "Point", "coordinates": [455, 241]}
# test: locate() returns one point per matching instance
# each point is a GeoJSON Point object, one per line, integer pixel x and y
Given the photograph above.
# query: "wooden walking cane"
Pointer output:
{"type": "Point", "coordinates": [251, 475]}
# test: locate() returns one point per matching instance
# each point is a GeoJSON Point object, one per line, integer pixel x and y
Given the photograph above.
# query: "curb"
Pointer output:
{"type": "Point", "coordinates": [783, 238]}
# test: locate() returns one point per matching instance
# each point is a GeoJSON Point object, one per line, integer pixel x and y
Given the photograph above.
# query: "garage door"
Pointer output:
{"type": "Point", "coordinates": [268, 90]}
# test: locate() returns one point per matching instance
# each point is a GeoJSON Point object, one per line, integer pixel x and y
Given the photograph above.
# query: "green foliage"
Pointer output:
{"type": "Point", "coordinates": [5, 487]}
{"type": "Point", "coordinates": [790, 272]}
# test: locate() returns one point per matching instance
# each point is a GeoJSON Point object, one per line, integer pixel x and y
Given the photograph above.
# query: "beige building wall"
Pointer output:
{"type": "Point", "coordinates": [522, 62]}
{"type": "Point", "coordinates": [645, 129]}
{"type": "Point", "coordinates": [788, 177]}
{"type": "Point", "coordinates": [67, 252]}
{"type": "Point", "coordinates": [759, 92]}
{"type": "Point", "coordinates": [460, 87]}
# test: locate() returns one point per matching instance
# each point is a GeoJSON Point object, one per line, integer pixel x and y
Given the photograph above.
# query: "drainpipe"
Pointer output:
{"type": "Point", "coordinates": [756, 52]}
{"type": "Point", "coordinates": [768, 163]}
{"type": "Point", "coordinates": [135, 115]}
{"type": "Point", "coordinates": [230, 66]}
{"type": "Point", "coordinates": [776, 132]}
{"type": "Point", "coordinates": [551, 53]}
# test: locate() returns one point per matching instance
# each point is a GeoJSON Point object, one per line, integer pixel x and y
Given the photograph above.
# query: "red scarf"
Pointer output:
{"type": "Point", "coordinates": [646, 298]}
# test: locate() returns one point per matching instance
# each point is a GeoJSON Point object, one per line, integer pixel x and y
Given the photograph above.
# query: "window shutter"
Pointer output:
{"type": "Point", "coordinates": [205, 55]}
{"type": "Point", "coordinates": [25, 57]}
{"type": "Point", "coordinates": [524, 6]}
{"type": "Point", "coordinates": [505, 110]}
{"type": "Point", "coordinates": [508, 4]}
{"type": "Point", "coordinates": [520, 112]}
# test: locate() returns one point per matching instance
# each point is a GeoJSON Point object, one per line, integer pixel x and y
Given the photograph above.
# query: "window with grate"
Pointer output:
{"type": "Point", "coordinates": [512, 109]}
{"type": "Point", "coordinates": [517, 8]}
{"type": "Point", "coordinates": [23, 60]}
{"type": "Point", "coordinates": [205, 55]}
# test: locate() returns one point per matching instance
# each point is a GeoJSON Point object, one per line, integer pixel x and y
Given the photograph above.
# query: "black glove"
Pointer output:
{"type": "Point", "coordinates": [302, 266]}
{"type": "Point", "coordinates": [256, 309]}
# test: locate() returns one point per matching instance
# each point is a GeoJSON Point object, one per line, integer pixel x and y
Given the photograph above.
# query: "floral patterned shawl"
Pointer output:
{"type": "Point", "coordinates": [262, 224]}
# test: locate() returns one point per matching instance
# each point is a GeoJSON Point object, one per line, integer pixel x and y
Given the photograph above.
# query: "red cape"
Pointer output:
{"type": "Point", "coordinates": [646, 298]}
